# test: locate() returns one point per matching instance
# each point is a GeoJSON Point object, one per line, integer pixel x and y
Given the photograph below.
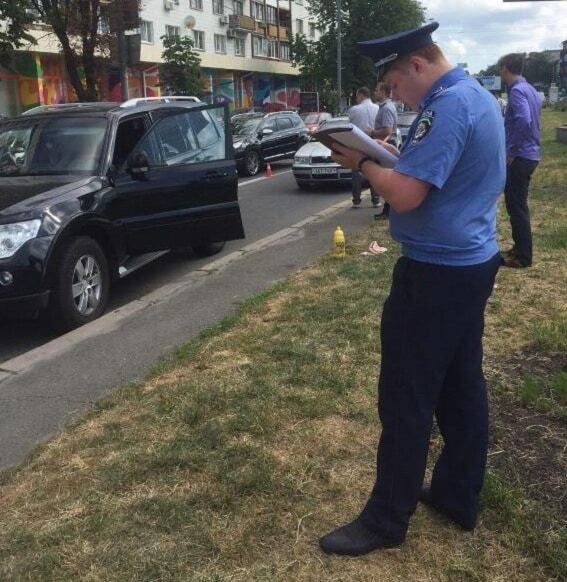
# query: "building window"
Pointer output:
{"type": "Point", "coordinates": [260, 46]}
{"type": "Point", "coordinates": [199, 40]}
{"type": "Point", "coordinates": [298, 26]}
{"type": "Point", "coordinates": [284, 51]}
{"type": "Point", "coordinates": [196, 4]}
{"type": "Point", "coordinates": [220, 43]}
{"type": "Point", "coordinates": [311, 30]}
{"type": "Point", "coordinates": [147, 31]}
{"type": "Point", "coordinates": [171, 31]}
{"type": "Point", "coordinates": [104, 24]}
{"type": "Point", "coordinates": [258, 11]}
{"type": "Point", "coordinates": [273, 49]}
{"type": "Point", "coordinates": [218, 6]}
{"type": "Point", "coordinates": [271, 14]}
{"type": "Point", "coordinates": [239, 47]}
{"type": "Point", "coordinates": [238, 7]}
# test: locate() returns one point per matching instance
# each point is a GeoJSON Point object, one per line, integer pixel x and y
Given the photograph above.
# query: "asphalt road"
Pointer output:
{"type": "Point", "coordinates": [45, 382]}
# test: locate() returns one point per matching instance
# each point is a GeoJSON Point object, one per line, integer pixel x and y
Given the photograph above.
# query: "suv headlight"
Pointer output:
{"type": "Point", "coordinates": [13, 236]}
{"type": "Point", "coordinates": [302, 160]}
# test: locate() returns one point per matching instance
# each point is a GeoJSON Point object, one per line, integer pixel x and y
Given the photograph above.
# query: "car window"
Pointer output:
{"type": "Point", "coordinates": [270, 123]}
{"type": "Point", "coordinates": [185, 138]}
{"type": "Point", "coordinates": [205, 128]}
{"type": "Point", "coordinates": [129, 133]}
{"type": "Point", "coordinates": [14, 149]}
{"type": "Point", "coordinates": [297, 121]}
{"type": "Point", "coordinates": [63, 145]}
{"type": "Point", "coordinates": [284, 123]}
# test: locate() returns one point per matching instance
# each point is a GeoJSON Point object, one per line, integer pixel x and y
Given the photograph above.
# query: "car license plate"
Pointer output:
{"type": "Point", "coordinates": [325, 171]}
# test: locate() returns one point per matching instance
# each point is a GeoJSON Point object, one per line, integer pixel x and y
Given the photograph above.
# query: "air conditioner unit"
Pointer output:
{"type": "Point", "coordinates": [223, 20]}
{"type": "Point", "coordinates": [168, 4]}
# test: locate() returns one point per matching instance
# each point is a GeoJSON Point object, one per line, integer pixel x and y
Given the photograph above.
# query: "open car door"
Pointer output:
{"type": "Point", "coordinates": [179, 186]}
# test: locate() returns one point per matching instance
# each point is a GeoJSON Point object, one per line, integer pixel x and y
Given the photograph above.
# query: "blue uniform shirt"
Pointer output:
{"type": "Point", "coordinates": [457, 145]}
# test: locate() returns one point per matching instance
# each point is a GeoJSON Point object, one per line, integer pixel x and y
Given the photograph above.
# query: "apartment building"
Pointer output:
{"type": "Point", "coordinates": [244, 46]}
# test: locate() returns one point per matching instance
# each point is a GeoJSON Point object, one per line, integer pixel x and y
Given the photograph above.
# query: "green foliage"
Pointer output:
{"type": "Point", "coordinates": [360, 20]}
{"type": "Point", "coordinates": [180, 72]}
{"type": "Point", "coordinates": [13, 35]}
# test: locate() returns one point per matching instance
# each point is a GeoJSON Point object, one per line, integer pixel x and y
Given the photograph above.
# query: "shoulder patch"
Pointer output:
{"type": "Point", "coordinates": [423, 125]}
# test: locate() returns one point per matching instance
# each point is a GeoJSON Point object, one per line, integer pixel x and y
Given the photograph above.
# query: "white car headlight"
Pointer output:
{"type": "Point", "coordinates": [13, 236]}
{"type": "Point", "coordinates": [238, 145]}
{"type": "Point", "coordinates": [302, 160]}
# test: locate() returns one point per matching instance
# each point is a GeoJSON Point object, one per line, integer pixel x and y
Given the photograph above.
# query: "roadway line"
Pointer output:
{"type": "Point", "coordinates": [112, 320]}
{"type": "Point", "coordinates": [262, 178]}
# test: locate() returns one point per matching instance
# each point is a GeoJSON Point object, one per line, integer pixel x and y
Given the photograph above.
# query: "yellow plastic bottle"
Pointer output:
{"type": "Point", "coordinates": [339, 243]}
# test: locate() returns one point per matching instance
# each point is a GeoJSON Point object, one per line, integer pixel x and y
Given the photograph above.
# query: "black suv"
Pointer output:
{"type": "Point", "coordinates": [90, 193]}
{"type": "Point", "coordinates": [260, 138]}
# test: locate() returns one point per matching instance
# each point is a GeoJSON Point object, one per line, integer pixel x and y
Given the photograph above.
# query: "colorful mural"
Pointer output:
{"type": "Point", "coordinates": [35, 79]}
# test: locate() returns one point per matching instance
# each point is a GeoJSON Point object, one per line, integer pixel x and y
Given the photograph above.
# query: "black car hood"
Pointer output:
{"type": "Point", "coordinates": [35, 190]}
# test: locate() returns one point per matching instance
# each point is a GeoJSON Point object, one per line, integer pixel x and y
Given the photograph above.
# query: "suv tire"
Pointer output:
{"type": "Point", "coordinates": [209, 249]}
{"type": "Point", "coordinates": [252, 163]}
{"type": "Point", "coordinates": [80, 284]}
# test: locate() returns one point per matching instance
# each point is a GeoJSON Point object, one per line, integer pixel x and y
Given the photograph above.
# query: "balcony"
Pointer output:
{"type": "Point", "coordinates": [241, 22]}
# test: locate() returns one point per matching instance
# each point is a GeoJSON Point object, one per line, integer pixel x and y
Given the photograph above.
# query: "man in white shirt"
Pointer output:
{"type": "Point", "coordinates": [363, 115]}
{"type": "Point", "coordinates": [386, 121]}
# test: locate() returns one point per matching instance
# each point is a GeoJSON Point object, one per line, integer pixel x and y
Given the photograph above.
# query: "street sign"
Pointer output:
{"type": "Point", "coordinates": [491, 82]}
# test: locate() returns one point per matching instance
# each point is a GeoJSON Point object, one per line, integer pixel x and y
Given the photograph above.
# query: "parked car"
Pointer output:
{"type": "Point", "coordinates": [313, 164]}
{"type": "Point", "coordinates": [259, 138]}
{"type": "Point", "coordinates": [314, 120]}
{"type": "Point", "coordinates": [88, 194]}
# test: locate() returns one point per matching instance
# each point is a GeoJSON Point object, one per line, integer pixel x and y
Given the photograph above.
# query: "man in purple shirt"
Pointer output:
{"type": "Point", "coordinates": [522, 125]}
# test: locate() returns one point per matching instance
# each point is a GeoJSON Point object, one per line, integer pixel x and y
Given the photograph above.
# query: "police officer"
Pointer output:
{"type": "Point", "coordinates": [443, 195]}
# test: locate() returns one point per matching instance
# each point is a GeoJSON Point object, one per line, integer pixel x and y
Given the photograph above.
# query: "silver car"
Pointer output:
{"type": "Point", "coordinates": [313, 165]}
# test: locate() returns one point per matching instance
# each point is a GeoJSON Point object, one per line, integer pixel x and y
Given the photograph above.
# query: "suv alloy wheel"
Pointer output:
{"type": "Point", "coordinates": [252, 163]}
{"type": "Point", "coordinates": [81, 284]}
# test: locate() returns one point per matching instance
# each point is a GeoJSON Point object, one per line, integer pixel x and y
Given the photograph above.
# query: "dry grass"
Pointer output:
{"type": "Point", "coordinates": [230, 461]}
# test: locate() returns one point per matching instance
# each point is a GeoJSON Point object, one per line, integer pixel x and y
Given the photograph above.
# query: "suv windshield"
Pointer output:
{"type": "Point", "coordinates": [69, 145]}
{"type": "Point", "coordinates": [244, 127]}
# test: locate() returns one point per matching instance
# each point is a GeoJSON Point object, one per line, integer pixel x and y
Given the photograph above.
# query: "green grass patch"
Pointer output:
{"type": "Point", "coordinates": [237, 453]}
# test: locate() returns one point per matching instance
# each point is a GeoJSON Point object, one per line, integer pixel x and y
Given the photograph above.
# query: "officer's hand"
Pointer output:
{"type": "Point", "coordinates": [346, 157]}
{"type": "Point", "coordinates": [388, 146]}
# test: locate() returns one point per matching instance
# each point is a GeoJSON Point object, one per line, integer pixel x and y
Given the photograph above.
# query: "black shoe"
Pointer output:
{"type": "Point", "coordinates": [514, 263]}
{"type": "Point", "coordinates": [463, 523]}
{"type": "Point", "coordinates": [355, 539]}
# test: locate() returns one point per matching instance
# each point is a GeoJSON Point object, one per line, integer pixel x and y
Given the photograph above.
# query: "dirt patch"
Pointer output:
{"type": "Point", "coordinates": [529, 447]}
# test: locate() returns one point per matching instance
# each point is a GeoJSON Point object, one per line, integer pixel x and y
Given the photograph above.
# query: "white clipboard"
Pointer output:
{"type": "Point", "coordinates": [354, 138]}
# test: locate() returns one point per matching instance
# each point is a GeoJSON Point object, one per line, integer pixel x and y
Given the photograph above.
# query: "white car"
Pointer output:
{"type": "Point", "coordinates": [313, 165]}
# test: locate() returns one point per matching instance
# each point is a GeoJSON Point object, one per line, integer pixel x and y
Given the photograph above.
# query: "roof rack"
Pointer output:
{"type": "Point", "coordinates": [165, 99]}
{"type": "Point", "coordinates": [59, 106]}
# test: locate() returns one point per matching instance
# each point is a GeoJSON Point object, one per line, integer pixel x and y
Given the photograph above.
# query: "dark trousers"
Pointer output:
{"type": "Point", "coordinates": [516, 195]}
{"type": "Point", "coordinates": [431, 335]}
{"type": "Point", "coordinates": [357, 189]}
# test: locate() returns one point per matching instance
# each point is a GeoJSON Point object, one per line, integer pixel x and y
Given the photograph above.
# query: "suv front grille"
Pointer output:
{"type": "Point", "coordinates": [322, 160]}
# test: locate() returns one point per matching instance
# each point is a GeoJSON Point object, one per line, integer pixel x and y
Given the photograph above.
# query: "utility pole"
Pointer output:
{"type": "Point", "coordinates": [339, 59]}
{"type": "Point", "coordinates": [122, 50]}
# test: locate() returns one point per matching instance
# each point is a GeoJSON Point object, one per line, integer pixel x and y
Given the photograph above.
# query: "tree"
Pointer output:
{"type": "Point", "coordinates": [538, 69]}
{"type": "Point", "coordinates": [180, 72]}
{"type": "Point", "coordinates": [77, 26]}
{"type": "Point", "coordinates": [13, 35]}
{"type": "Point", "coordinates": [360, 20]}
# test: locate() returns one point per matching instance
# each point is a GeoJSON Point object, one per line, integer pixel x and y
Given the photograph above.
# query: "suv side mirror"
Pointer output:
{"type": "Point", "coordinates": [138, 165]}
{"type": "Point", "coordinates": [267, 131]}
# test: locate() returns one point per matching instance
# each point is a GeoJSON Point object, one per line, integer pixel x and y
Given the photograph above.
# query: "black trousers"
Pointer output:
{"type": "Point", "coordinates": [431, 334]}
{"type": "Point", "coordinates": [516, 195]}
{"type": "Point", "coordinates": [357, 189]}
